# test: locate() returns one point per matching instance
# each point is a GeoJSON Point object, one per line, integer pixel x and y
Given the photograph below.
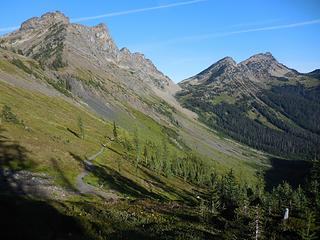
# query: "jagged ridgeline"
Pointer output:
{"type": "Point", "coordinates": [259, 102]}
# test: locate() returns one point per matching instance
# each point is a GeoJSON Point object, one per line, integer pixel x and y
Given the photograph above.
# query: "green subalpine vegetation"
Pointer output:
{"type": "Point", "coordinates": [165, 190]}
{"type": "Point", "coordinates": [165, 193]}
{"type": "Point", "coordinates": [225, 207]}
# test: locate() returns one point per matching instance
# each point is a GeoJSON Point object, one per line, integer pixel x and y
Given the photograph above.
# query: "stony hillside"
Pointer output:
{"type": "Point", "coordinates": [259, 102]}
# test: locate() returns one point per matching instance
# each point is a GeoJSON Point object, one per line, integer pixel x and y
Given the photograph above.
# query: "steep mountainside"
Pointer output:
{"type": "Point", "coordinates": [85, 65]}
{"type": "Point", "coordinates": [259, 102]}
{"type": "Point", "coordinates": [314, 74]}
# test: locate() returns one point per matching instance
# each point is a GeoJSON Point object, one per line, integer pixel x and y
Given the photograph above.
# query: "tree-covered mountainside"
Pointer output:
{"type": "Point", "coordinates": [279, 115]}
{"type": "Point", "coordinates": [285, 120]}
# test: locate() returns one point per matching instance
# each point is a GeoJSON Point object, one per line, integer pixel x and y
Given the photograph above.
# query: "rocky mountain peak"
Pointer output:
{"type": "Point", "coordinates": [47, 19]}
{"type": "Point", "coordinates": [266, 58]}
{"type": "Point", "coordinates": [221, 67]}
{"type": "Point", "coordinates": [125, 51]}
{"type": "Point", "coordinates": [55, 17]}
{"type": "Point", "coordinates": [224, 66]}
{"type": "Point", "coordinates": [102, 31]}
{"type": "Point", "coordinates": [263, 66]}
{"type": "Point", "coordinates": [224, 63]}
{"type": "Point", "coordinates": [227, 61]}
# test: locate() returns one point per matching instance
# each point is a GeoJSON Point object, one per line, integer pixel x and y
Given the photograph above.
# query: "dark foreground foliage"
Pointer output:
{"type": "Point", "coordinates": [229, 210]}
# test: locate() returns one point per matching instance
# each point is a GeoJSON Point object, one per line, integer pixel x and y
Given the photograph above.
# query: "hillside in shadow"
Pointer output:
{"type": "Point", "coordinates": [291, 171]}
{"type": "Point", "coordinates": [22, 216]}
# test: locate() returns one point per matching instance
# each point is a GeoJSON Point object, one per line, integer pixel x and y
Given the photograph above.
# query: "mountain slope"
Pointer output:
{"type": "Point", "coordinates": [85, 65]}
{"type": "Point", "coordinates": [82, 58]}
{"type": "Point", "coordinates": [259, 102]}
{"type": "Point", "coordinates": [314, 74]}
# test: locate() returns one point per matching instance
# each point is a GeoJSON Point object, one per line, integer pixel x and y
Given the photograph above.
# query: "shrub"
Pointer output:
{"type": "Point", "coordinates": [21, 65]}
{"type": "Point", "coordinates": [8, 116]}
{"type": "Point", "coordinates": [81, 127]}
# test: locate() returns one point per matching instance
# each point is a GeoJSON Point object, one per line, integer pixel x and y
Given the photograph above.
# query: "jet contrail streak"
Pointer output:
{"type": "Point", "coordinates": [270, 28]}
{"type": "Point", "coordinates": [114, 14]}
{"type": "Point", "coordinates": [121, 13]}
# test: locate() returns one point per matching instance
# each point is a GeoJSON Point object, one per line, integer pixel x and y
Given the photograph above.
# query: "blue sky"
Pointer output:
{"type": "Point", "coordinates": [182, 37]}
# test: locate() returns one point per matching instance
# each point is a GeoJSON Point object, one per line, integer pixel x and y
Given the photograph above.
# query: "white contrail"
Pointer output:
{"type": "Point", "coordinates": [270, 28]}
{"type": "Point", "coordinates": [153, 45]}
{"type": "Point", "coordinates": [114, 14]}
{"type": "Point", "coordinates": [256, 23]}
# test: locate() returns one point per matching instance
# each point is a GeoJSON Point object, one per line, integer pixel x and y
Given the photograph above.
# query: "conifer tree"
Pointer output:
{"type": "Point", "coordinates": [81, 127]}
{"type": "Point", "coordinates": [145, 155]}
{"type": "Point", "coordinates": [136, 147]}
{"type": "Point", "coordinates": [215, 199]}
{"type": "Point", "coordinates": [309, 230]}
{"type": "Point", "coordinates": [115, 131]}
{"type": "Point", "coordinates": [229, 189]}
{"type": "Point", "coordinates": [299, 200]}
{"type": "Point", "coordinates": [314, 182]}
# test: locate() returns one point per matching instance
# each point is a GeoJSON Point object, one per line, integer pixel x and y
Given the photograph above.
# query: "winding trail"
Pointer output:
{"type": "Point", "coordinates": [85, 188]}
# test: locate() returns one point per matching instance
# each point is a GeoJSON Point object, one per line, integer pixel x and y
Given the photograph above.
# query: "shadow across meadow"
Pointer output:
{"type": "Point", "coordinates": [24, 217]}
{"type": "Point", "coordinates": [291, 171]}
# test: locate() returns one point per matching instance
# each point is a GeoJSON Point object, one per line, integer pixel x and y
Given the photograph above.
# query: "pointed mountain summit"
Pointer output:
{"type": "Point", "coordinates": [212, 73]}
{"type": "Point", "coordinates": [264, 65]}
{"type": "Point", "coordinates": [227, 61]}
{"type": "Point", "coordinates": [45, 20]}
